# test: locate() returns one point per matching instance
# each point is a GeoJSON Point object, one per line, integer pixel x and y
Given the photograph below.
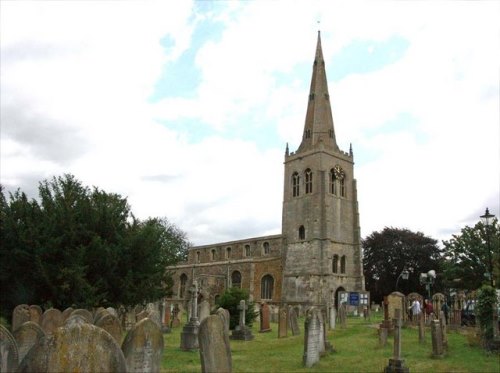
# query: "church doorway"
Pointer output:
{"type": "Point", "coordinates": [336, 298]}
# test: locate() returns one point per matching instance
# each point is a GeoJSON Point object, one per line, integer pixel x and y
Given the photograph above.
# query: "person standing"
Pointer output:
{"type": "Point", "coordinates": [415, 310]}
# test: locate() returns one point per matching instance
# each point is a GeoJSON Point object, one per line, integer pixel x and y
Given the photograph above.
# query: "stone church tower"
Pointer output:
{"type": "Point", "coordinates": [321, 234]}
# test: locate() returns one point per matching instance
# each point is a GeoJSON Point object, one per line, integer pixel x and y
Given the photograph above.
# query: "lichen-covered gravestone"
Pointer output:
{"type": "Point", "coordinates": [293, 322]}
{"type": "Point", "coordinates": [225, 317]}
{"type": "Point", "coordinates": [20, 315]}
{"type": "Point", "coordinates": [76, 347]}
{"type": "Point", "coordinates": [67, 313]}
{"type": "Point", "coordinates": [9, 355]}
{"type": "Point", "coordinates": [36, 313]}
{"type": "Point", "coordinates": [112, 325]}
{"type": "Point", "coordinates": [26, 336]}
{"type": "Point", "coordinates": [85, 313]}
{"type": "Point", "coordinates": [51, 320]}
{"type": "Point", "coordinates": [311, 338]}
{"type": "Point", "coordinates": [143, 347]}
{"type": "Point", "coordinates": [215, 351]}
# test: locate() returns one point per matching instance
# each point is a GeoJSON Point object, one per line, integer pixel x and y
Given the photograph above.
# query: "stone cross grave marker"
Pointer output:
{"type": "Point", "coordinates": [265, 325]}
{"type": "Point", "coordinates": [311, 339]}
{"type": "Point", "coordinates": [143, 347]}
{"type": "Point", "coordinates": [293, 323]}
{"type": "Point", "coordinates": [215, 351]}
{"type": "Point", "coordinates": [242, 332]}
{"type": "Point", "coordinates": [242, 307]}
{"type": "Point", "coordinates": [283, 323]}
{"type": "Point", "coordinates": [26, 336]}
{"type": "Point", "coordinates": [76, 347]}
{"type": "Point", "coordinates": [9, 354]}
{"type": "Point", "coordinates": [396, 364]}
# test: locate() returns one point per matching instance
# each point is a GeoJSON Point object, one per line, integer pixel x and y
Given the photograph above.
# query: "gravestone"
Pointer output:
{"type": "Point", "coordinates": [215, 351]}
{"type": "Point", "coordinates": [51, 320]}
{"type": "Point", "coordinates": [333, 316]}
{"type": "Point", "coordinates": [20, 315]}
{"type": "Point", "coordinates": [311, 338]}
{"type": "Point", "coordinates": [112, 325]}
{"type": "Point", "coordinates": [396, 364]}
{"type": "Point", "coordinates": [343, 315]}
{"type": "Point", "coordinates": [99, 314]}
{"type": "Point", "coordinates": [438, 300]}
{"type": "Point", "coordinates": [382, 336]}
{"type": "Point", "coordinates": [112, 311]}
{"type": "Point", "coordinates": [176, 321]}
{"type": "Point", "coordinates": [437, 339]}
{"type": "Point", "coordinates": [327, 346]}
{"type": "Point", "coordinates": [85, 314]}
{"type": "Point", "coordinates": [386, 323]}
{"type": "Point", "coordinates": [36, 313]}
{"type": "Point", "coordinates": [26, 336]}
{"type": "Point", "coordinates": [242, 332]}
{"type": "Point", "coordinates": [129, 319]}
{"type": "Point", "coordinates": [225, 317]}
{"type": "Point", "coordinates": [322, 340]}
{"type": "Point", "coordinates": [265, 325]}
{"type": "Point", "coordinates": [141, 315]}
{"type": "Point", "coordinates": [9, 354]}
{"type": "Point", "coordinates": [204, 310]}
{"type": "Point", "coordinates": [76, 347]}
{"type": "Point", "coordinates": [283, 323]}
{"type": "Point", "coordinates": [143, 347]}
{"type": "Point", "coordinates": [67, 313]}
{"type": "Point", "coordinates": [444, 335]}
{"type": "Point", "coordinates": [293, 323]}
{"type": "Point", "coordinates": [75, 319]}
{"type": "Point", "coordinates": [167, 317]}
{"type": "Point", "coordinates": [189, 335]}
{"type": "Point", "coordinates": [395, 300]}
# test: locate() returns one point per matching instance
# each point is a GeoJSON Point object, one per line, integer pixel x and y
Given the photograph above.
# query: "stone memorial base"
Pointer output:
{"type": "Point", "coordinates": [242, 334]}
{"type": "Point", "coordinates": [396, 366]}
{"type": "Point", "coordinates": [189, 337]}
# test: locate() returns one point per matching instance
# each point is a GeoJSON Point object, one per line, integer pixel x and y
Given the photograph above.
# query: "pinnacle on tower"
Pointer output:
{"type": "Point", "coordinates": [318, 127]}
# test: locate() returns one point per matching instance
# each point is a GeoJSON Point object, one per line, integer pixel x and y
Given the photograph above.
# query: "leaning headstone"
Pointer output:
{"type": "Point", "coordinates": [189, 335]}
{"type": "Point", "coordinates": [112, 325]}
{"type": "Point", "coordinates": [215, 351]}
{"type": "Point", "coordinates": [265, 325]}
{"type": "Point", "coordinates": [76, 347]}
{"type": "Point", "coordinates": [26, 336]}
{"type": "Point", "coordinates": [282, 323]}
{"type": "Point", "coordinates": [396, 364]}
{"type": "Point", "coordinates": [36, 313]}
{"type": "Point", "coordinates": [311, 339]}
{"type": "Point", "coordinates": [9, 354]}
{"type": "Point", "coordinates": [293, 323]}
{"type": "Point", "coordinates": [51, 320]}
{"type": "Point", "coordinates": [204, 310]}
{"type": "Point", "coordinates": [242, 332]}
{"type": "Point", "coordinates": [437, 339]}
{"type": "Point", "coordinates": [84, 313]}
{"type": "Point", "coordinates": [225, 317]}
{"type": "Point", "coordinates": [20, 315]}
{"type": "Point", "coordinates": [143, 347]}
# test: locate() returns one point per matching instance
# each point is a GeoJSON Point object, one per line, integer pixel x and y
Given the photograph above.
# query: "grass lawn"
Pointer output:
{"type": "Point", "coordinates": [356, 348]}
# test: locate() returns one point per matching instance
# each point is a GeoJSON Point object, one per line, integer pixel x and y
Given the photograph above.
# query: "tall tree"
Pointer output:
{"type": "Point", "coordinates": [82, 247]}
{"type": "Point", "coordinates": [387, 253]}
{"type": "Point", "coordinates": [468, 257]}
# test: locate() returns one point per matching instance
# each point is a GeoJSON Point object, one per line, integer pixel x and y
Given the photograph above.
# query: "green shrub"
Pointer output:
{"type": "Point", "coordinates": [230, 300]}
{"type": "Point", "coordinates": [485, 306]}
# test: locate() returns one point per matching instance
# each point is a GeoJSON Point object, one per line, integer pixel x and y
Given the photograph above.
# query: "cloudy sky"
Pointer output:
{"type": "Point", "coordinates": [186, 108]}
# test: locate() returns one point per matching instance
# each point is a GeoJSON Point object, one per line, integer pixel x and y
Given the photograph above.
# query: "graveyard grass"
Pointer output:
{"type": "Point", "coordinates": [357, 350]}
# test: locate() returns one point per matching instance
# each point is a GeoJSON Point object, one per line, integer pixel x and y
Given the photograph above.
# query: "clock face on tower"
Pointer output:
{"type": "Point", "coordinates": [338, 172]}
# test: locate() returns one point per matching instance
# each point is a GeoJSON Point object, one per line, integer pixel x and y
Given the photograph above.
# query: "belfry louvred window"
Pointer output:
{"type": "Point", "coordinates": [309, 181]}
{"type": "Point", "coordinates": [295, 184]}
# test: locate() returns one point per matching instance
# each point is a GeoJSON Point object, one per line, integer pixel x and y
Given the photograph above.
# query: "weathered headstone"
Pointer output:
{"type": "Point", "coordinates": [9, 354]}
{"type": "Point", "coordinates": [265, 325]}
{"type": "Point", "coordinates": [283, 323]}
{"type": "Point", "coordinates": [311, 338]}
{"type": "Point", "coordinates": [343, 315]}
{"type": "Point", "coordinates": [129, 319]}
{"type": "Point", "coordinates": [225, 317]}
{"type": "Point", "coordinates": [51, 320]}
{"type": "Point", "coordinates": [112, 311]}
{"type": "Point", "coordinates": [143, 347]}
{"type": "Point", "coordinates": [189, 335]}
{"type": "Point", "coordinates": [396, 364]}
{"type": "Point", "coordinates": [26, 336]}
{"type": "Point", "coordinates": [112, 325]}
{"type": "Point", "coordinates": [75, 319]}
{"type": "Point", "coordinates": [333, 316]}
{"type": "Point", "coordinates": [99, 314]}
{"type": "Point", "coordinates": [20, 315]}
{"type": "Point", "coordinates": [293, 323]}
{"type": "Point", "coordinates": [84, 313]}
{"type": "Point", "coordinates": [242, 332]}
{"type": "Point", "coordinates": [176, 321]}
{"type": "Point", "coordinates": [36, 313]}
{"type": "Point", "coordinates": [444, 333]}
{"type": "Point", "coordinates": [141, 315]}
{"type": "Point", "coordinates": [395, 300]}
{"type": "Point", "coordinates": [215, 351]}
{"type": "Point", "coordinates": [67, 313]}
{"type": "Point", "coordinates": [76, 347]}
{"type": "Point", "coordinates": [204, 308]}
{"type": "Point", "coordinates": [437, 339]}
{"type": "Point", "coordinates": [382, 336]}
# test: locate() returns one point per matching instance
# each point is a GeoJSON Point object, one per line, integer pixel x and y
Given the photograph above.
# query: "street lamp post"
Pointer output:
{"type": "Point", "coordinates": [487, 220]}
{"type": "Point", "coordinates": [404, 274]}
{"type": "Point", "coordinates": [427, 279]}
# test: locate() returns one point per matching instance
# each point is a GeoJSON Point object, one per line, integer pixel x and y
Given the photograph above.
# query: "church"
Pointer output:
{"type": "Point", "coordinates": [318, 254]}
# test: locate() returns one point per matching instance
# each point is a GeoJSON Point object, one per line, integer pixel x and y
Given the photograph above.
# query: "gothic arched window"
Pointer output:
{"type": "Point", "coordinates": [309, 181]}
{"type": "Point", "coordinates": [342, 264]}
{"type": "Point", "coordinates": [302, 233]}
{"type": "Point", "coordinates": [335, 264]}
{"type": "Point", "coordinates": [342, 187]}
{"type": "Point", "coordinates": [295, 184]}
{"type": "Point", "coordinates": [236, 279]}
{"type": "Point", "coordinates": [266, 287]}
{"type": "Point", "coordinates": [228, 253]}
{"type": "Point", "coordinates": [333, 182]}
{"type": "Point", "coordinates": [247, 250]}
{"type": "Point", "coordinates": [182, 286]}
{"type": "Point", "coordinates": [213, 254]}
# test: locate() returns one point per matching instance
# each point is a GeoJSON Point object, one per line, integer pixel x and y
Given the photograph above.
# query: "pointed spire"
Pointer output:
{"type": "Point", "coordinates": [318, 127]}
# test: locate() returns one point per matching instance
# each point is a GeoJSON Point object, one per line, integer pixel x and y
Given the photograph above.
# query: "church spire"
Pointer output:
{"type": "Point", "coordinates": [318, 128]}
